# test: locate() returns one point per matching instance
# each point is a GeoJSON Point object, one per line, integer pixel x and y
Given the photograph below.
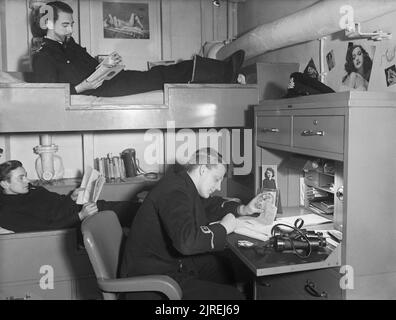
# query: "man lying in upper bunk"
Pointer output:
{"type": "Point", "coordinates": [61, 60]}
{"type": "Point", "coordinates": [25, 208]}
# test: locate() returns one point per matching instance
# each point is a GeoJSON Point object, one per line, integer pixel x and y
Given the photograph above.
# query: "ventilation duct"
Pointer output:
{"type": "Point", "coordinates": [321, 19]}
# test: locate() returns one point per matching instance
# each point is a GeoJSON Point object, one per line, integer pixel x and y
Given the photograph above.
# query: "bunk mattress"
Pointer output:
{"type": "Point", "coordinates": [145, 98]}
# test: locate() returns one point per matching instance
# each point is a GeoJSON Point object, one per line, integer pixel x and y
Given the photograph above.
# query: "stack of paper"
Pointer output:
{"type": "Point", "coordinates": [309, 220]}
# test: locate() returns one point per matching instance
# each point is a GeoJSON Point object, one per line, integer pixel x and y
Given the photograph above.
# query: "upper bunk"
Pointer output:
{"type": "Point", "coordinates": [49, 107]}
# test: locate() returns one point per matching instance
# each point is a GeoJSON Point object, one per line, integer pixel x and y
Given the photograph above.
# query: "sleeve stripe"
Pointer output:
{"type": "Point", "coordinates": [206, 230]}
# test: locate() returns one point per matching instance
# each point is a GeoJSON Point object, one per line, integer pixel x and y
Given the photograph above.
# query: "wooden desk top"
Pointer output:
{"type": "Point", "coordinates": [263, 260]}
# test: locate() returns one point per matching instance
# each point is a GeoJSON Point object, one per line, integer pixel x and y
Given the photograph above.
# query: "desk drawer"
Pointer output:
{"type": "Point", "coordinates": [62, 290]}
{"type": "Point", "coordinates": [323, 133]}
{"type": "Point", "coordinates": [274, 129]}
{"type": "Point", "coordinates": [322, 284]}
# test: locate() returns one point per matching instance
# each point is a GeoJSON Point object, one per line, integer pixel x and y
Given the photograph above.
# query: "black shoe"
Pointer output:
{"type": "Point", "coordinates": [235, 62]}
{"type": "Point", "coordinates": [206, 70]}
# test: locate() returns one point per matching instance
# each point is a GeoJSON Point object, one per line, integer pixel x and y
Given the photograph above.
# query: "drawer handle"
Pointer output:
{"type": "Point", "coordinates": [26, 297]}
{"type": "Point", "coordinates": [273, 130]}
{"type": "Point", "coordinates": [310, 288]}
{"type": "Point", "coordinates": [310, 133]}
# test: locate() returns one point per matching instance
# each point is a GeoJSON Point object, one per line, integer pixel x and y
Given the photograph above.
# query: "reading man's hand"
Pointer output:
{"type": "Point", "coordinates": [75, 193]}
{"type": "Point", "coordinates": [112, 60]}
{"type": "Point", "coordinates": [88, 85]}
{"type": "Point", "coordinates": [87, 210]}
{"type": "Point", "coordinates": [251, 207]}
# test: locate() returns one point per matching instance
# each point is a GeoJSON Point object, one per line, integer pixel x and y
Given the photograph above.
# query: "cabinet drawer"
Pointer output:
{"type": "Point", "coordinates": [62, 290]}
{"type": "Point", "coordinates": [322, 284]}
{"type": "Point", "coordinates": [323, 133]}
{"type": "Point", "coordinates": [274, 129]}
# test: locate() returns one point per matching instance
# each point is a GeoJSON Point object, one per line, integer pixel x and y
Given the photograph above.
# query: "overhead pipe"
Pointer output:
{"type": "Point", "coordinates": [319, 20]}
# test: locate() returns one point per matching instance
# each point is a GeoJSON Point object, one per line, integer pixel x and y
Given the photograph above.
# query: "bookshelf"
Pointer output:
{"type": "Point", "coordinates": [119, 190]}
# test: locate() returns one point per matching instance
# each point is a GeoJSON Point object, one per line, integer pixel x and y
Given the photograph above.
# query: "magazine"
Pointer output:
{"type": "Point", "coordinates": [105, 72]}
{"type": "Point", "coordinates": [92, 184]}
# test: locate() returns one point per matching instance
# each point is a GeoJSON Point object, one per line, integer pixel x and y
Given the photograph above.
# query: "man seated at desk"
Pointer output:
{"type": "Point", "coordinates": [179, 228]}
{"type": "Point", "coordinates": [25, 208]}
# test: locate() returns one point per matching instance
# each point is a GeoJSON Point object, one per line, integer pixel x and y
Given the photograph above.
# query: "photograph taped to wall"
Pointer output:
{"type": "Point", "coordinates": [126, 20]}
{"type": "Point", "coordinates": [390, 74]}
{"type": "Point", "coordinates": [358, 63]}
{"type": "Point", "coordinates": [269, 176]}
{"type": "Point", "coordinates": [330, 60]}
{"type": "Point", "coordinates": [311, 70]}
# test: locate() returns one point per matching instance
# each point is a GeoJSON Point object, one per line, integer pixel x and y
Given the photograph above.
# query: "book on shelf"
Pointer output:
{"type": "Point", "coordinates": [92, 184]}
{"type": "Point", "coordinates": [111, 167]}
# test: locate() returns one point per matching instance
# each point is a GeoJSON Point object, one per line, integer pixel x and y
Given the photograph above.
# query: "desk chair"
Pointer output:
{"type": "Point", "coordinates": [103, 236]}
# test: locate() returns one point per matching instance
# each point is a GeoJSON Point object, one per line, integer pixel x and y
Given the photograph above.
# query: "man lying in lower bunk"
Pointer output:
{"type": "Point", "coordinates": [25, 208]}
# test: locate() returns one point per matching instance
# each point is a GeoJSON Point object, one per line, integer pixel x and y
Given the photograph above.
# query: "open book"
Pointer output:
{"type": "Point", "coordinates": [105, 72]}
{"type": "Point", "coordinates": [92, 183]}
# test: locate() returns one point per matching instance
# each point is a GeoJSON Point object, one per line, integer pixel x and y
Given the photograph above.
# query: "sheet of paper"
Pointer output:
{"type": "Point", "coordinates": [309, 220]}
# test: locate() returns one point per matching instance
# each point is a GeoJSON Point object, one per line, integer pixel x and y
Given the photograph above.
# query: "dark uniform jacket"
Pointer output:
{"type": "Point", "coordinates": [39, 209]}
{"type": "Point", "coordinates": [70, 63]}
{"type": "Point", "coordinates": [171, 226]}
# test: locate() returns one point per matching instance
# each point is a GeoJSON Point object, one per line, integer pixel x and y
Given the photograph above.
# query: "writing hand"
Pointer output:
{"type": "Point", "coordinates": [229, 222]}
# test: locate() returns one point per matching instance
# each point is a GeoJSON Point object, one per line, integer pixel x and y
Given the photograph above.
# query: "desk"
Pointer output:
{"type": "Point", "coordinates": [286, 267]}
{"type": "Point", "coordinates": [355, 130]}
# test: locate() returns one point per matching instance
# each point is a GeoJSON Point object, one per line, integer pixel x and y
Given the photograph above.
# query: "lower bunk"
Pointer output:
{"type": "Point", "coordinates": [46, 265]}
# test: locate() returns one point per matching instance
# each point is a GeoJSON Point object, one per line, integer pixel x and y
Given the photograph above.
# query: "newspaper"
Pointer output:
{"type": "Point", "coordinates": [92, 184]}
{"type": "Point", "coordinates": [105, 72]}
